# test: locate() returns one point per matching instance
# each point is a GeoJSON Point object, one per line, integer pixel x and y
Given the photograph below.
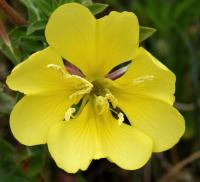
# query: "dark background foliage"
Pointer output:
{"type": "Point", "coordinates": [176, 43]}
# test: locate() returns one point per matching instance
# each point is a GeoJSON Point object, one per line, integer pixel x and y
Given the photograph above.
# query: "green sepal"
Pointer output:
{"type": "Point", "coordinates": [146, 32]}
{"type": "Point", "coordinates": [97, 8]}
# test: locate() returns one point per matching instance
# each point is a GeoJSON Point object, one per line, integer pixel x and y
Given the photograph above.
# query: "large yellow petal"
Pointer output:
{"type": "Point", "coordinates": [157, 119]}
{"type": "Point", "coordinates": [117, 40]}
{"type": "Point", "coordinates": [124, 145]}
{"type": "Point", "coordinates": [147, 76]}
{"type": "Point", "coordinates": [71, 31]}
{"type": "Point", "coordinates": [33, 77]}
{"type": "Point", "coordinates": [89, 43]}
{"type": "Point", "coordinates": [33, 116]}
{"type": "Point", "coordinates": [75, 143]}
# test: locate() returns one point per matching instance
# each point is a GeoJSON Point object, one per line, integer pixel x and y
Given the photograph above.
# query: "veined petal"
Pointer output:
{"type": "Point", "coordinates": [117, 40]}
{"type": "Point", "coordinates": [147, 76]}
{"type": "Point", "coordinates": [124, 145]}
{"type": "Point", "coordinates": [89, 43]}
{"type": "Point", "coordinates": [33, 77]}
{"type": "Point", "coordinates": [92, 136]}
{"type": "Point", "coordinates": [71, 31]}
{"type": "Point", "coordinates": [75, 143]}
{"type": "Point", "coordinates": [157, 119]}
{"type": "Point", "coordinates": [33, 116]}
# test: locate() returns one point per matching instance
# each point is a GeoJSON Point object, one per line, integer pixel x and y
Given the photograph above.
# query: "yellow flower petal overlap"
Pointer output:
{"type": "Point", "coordinates": [147, 76]}
{"type": "Point", "coordinates": [82, 118]}
{"type": "Point", "coordinates": [90, 137]}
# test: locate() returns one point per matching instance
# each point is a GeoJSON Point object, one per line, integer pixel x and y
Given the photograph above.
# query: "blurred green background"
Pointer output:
{"type": "Point", "coordinates": [176, 43]}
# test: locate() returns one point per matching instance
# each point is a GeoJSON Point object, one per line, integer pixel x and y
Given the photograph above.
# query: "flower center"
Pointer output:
{"type": "Point", "coordinates": [104, 100]}
{"type": "Point", "coordinates": [98, 88]}
{"type": "Point", "coordinates": [98, 91]}
{"type": "Point", "coordinates": [101, 90]}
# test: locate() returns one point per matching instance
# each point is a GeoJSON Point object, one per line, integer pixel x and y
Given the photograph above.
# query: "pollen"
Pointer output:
{"type": "Point", "coordinates": [69, 113]}
{"type": "Point", "coordinates": [120, 118]}
{"type": "Point", "coordinates": [57, 68]}
{"type": "Point", "coordinates": [143, 79]}
{"type": "Point", "coordinates": [85, 90]}
{"type": "Point", "coordinates": [104, 99]}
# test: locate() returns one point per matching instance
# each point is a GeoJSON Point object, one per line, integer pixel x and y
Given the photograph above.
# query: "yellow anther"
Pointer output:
{"type": "Point", "coordinates": [83, 80]}
{"type": "Point", "coordinates": [112, 99]}
{"type": "Point", "coordinates": [58, 68]}
{"type": "Point", "coordinates": [143, 78]}
{"type": "Point", "coordinates": [80, 92]}
{"type": "Point", "coordinates": [69, 113]}
{"type": "Point", "coordinates": [109, 96]}
{"type": "Point", "coordinates": [86, 87]}
{"type": "Point", "coordinates": [120, 118]}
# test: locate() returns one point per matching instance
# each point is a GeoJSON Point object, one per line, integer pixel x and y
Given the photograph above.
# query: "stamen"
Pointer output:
{"type": "Point", "coordinates": [69, 113]}
{"type": "Point", "coordinates": [120, 118]}
{"type": "Point", "coordinates": [58, 68]}
{"type": "Point", "coordinates": [109, 96]}
{"type": "Point", "coordinates": [80, 92]}
{"type": "Point", "coordinates": [87, 88]}
{"type": "Point", "coordinates": [143, 79]}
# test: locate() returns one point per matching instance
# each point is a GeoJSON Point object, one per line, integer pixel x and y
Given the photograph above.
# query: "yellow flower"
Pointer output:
{"type": "Point", "coordinates": [82, 116]}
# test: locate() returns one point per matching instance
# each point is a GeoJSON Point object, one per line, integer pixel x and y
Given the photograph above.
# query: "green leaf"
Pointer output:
{"type": "Point", "coordinates": [16, 35]}
{"type": "Point", "coordinates": [23, 44]}
{"type": "Point", "coordinates": [6, 103]}
{"type": "Point", "coordinates": [14, 54]}
{"type": "Point", "coordinates": [35, 26]}
{"type": "Point", "coordinates": [10, 171]}
{"type": "Point", "coordinates": [85, 2]}
{"type": "Point", "coordinates": [33, 11]}
{"type": "Point", "coordinates": [35, 160]}
{"type": "Point", "coordinates": [40, 9]}
{"type": "Point", "coordinates": [60, 2]}
{"type": "Point", "coordinates": [7, 152]}
{"type": "Point", "coordinates": [7, 161]}
{"type": "Point", "coordinates": [97, 8]}
{"type": "Point", "coordinates": [146, 32]}
{"type": "Point", "coordinates": [9, 53]}
{"type": "Point", "coordinates": [45, 7]}
{"type": "Point", "coordinates": [29, 46]}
